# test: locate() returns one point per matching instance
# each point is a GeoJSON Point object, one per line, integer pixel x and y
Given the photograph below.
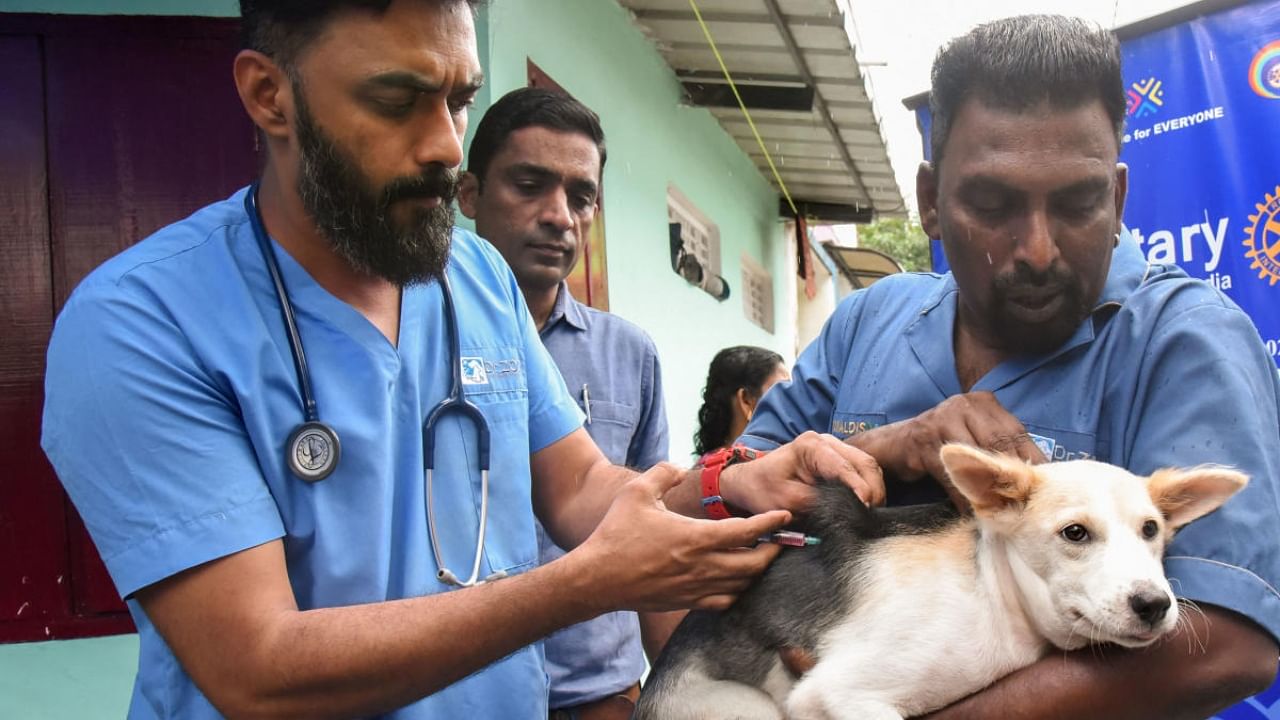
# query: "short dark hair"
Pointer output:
{"type": "Point", "coordinates": [1020, 62]}
{"type": "Point", "coordinates": [741, 366]}
{"type": "Point", "coordinates": [530, 107]}
{"type": "Point", "coordinates": [280, 29]}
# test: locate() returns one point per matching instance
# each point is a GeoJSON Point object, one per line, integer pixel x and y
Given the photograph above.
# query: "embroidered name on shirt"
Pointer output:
{"type": "Point", "coordinates": [502, 367]}
{"type": "Point", "coordinates": [852, 427]}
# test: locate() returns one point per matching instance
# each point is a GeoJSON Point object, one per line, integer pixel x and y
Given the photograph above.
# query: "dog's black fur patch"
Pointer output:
{"type": "Point", "coordinates": [801, 596]}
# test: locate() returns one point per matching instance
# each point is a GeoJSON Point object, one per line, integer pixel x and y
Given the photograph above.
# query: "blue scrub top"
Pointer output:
{"type": "Point", "coordinates": [170, 394]}
{"type": "Point", "coordinates": [1166, 372]}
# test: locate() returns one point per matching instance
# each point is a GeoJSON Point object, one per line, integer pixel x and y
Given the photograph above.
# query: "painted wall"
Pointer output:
{"type": "Point", "coordinates": [68, 679]}
{"type": "Point", "coordinates": [592, 49]}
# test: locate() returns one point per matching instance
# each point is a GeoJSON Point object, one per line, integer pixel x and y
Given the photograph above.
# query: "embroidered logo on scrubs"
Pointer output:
{"type": "Point", "coordinates": [1058, 451]}
{"type": "Point", "coordinates": [1046, 444]}
{"type": "Point", "coordinates": [473, 371]}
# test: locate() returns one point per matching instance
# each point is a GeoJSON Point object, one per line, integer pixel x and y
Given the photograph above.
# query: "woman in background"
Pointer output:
{"type": "Point", "coordinates": [737, 379]}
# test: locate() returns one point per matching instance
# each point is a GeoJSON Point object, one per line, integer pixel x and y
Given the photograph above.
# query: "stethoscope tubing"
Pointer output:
{"type": "Point", "coordinates": [309, 409]}
{"type": "Point", "coordinates": [455, 401]}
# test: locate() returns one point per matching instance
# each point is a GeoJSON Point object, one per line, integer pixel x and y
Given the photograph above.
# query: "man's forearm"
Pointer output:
{"type": "Point", "coordinates": [367, 659]}
{"type": "Point", "coordinates": [1207, 664]}
{"type": "Point", "coordinates": [579, 513]}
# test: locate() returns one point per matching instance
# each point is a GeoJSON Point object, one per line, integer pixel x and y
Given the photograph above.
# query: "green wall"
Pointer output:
{"type": "Point", "coordinates": [68, 679]}
{"type": "Point", "coordinates": [592, 49]}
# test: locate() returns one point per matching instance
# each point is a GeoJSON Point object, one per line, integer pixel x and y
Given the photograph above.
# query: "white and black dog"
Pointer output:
{"type": "Point", "coordinates": [909, 609]}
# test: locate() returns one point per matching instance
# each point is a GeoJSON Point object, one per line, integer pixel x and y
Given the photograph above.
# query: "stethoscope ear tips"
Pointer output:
{"type": "Point", "coordinates": [313, 451]}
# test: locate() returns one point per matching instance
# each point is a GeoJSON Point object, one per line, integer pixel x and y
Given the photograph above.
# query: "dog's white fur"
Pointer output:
{"type": "Point", "coordinates": [938, 616]}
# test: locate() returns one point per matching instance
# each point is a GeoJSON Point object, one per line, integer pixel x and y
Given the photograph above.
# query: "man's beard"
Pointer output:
{"type": "Point", "coordinates": [356, 217]}
{"type": "Point", "coordinates": [1024, 338]}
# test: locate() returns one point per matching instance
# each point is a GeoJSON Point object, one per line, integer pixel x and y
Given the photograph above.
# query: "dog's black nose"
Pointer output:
{"type": "Point", "coordinates": [1149, 606]}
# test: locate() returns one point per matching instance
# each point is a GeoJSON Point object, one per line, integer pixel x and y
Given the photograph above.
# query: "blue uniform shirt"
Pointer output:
{"type": "Point", "coordinates": [1167, 371]}
{"type": "Point", "coordinates": [170, 394]}
{"type": "Point", "coordinates": [614, 365]}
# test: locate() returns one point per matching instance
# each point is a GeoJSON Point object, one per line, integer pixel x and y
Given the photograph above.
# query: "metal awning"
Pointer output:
{"type": "Point", "coordinates": [795, 66]}
{"type": "Point", "coordinates": [861, 266]}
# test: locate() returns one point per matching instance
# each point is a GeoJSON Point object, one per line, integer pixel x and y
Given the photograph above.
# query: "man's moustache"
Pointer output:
{"type": "Point", "coordinates": [1025, 279]}
{"type": "Point", "coordinates": [441, 184]}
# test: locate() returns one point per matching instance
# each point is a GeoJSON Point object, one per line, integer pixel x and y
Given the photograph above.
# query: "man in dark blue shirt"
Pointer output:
{"type": "Point", "coordinates": [533, 188]}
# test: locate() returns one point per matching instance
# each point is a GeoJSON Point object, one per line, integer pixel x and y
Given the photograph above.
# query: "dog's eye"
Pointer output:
{"type": "Point", "coordinates": [1075, 533]}
{"type": "Point", "coordinates": [1150, 529]}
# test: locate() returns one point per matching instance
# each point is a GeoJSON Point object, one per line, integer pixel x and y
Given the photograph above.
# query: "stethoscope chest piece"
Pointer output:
{"type": "Point", "coordinates": [313, 451]}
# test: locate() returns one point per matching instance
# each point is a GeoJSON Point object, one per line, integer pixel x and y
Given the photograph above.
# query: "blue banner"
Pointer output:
{"type": "Point", "coordinates": [1202, 142]}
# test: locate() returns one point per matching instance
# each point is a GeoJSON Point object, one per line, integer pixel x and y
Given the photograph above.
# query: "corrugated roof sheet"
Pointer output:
{"type": "Point", "coordinates": [832, 153]}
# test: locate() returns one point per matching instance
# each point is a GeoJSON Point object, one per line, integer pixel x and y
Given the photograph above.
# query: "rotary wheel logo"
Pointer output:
{"type": "Point", "coordinates": [1264, 238]}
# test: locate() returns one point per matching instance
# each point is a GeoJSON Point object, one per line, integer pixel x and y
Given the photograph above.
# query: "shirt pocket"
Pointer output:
{"type": "Point", "coordinates": [499, 388]}
{"type": "Point", "coordinates": [611, 425]}
{"type": "Point", "coordinates": [847, 424]}
{"type": "Point", "coordinates": [1059, 444]}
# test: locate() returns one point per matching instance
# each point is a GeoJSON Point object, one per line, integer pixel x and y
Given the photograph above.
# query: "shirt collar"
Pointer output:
{"type": "Point", "coordinates": [568, 309]}
{"type": "Point", "coordinates": [1129, 268]}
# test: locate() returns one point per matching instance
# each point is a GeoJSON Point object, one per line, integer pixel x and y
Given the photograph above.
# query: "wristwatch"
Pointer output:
{"type": "Point", "coordinates": [713, 464]}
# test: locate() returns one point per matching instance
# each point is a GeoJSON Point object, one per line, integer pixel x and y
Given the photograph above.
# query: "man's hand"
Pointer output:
{"type": "Point", "coordinates": [908, 450]}
{"type": "Point", "coordinates": [785, 477]}
{"type": "Point", "coordinates": [644, 557]}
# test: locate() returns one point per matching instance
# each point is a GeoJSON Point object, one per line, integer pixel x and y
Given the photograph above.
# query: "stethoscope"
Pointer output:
{"type": "Point", "coordinates": [313, 449]}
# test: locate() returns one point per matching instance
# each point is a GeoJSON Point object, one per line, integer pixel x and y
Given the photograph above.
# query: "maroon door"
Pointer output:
{"type": "Point", "coordinates": [31, 516]}
{"type": "Point", "coordinates": [112, 127]}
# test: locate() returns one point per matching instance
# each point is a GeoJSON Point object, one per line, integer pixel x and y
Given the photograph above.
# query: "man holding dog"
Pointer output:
{"type": "Point", "coordinates": [1053, 338]}
{"type": "Point", "coordinates": [282, 568]}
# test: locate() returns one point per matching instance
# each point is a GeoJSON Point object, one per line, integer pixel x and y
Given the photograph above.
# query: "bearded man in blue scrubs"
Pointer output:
{"type": "Point", "coordinates": [171, 395]}
{"type": "Point", "coordinates": [1053, 338]}
{"type": "Point", "coordinates": [532, 186]}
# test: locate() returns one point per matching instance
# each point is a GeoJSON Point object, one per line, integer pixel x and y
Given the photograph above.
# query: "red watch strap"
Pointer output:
{"type": "Point", "coordinates": [712, 502]}
{"type": "Point", "coordinates": [715, 463]}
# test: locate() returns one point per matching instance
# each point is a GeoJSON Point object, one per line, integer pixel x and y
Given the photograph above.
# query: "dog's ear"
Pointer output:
{"type": "Point", "coordinates": [990, 482]}
{"type": "Point", "coordinates": [1184, 495]}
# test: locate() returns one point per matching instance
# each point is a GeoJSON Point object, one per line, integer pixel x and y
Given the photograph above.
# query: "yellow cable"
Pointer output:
{"type": "Point", "coordinates": [768, 158]}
